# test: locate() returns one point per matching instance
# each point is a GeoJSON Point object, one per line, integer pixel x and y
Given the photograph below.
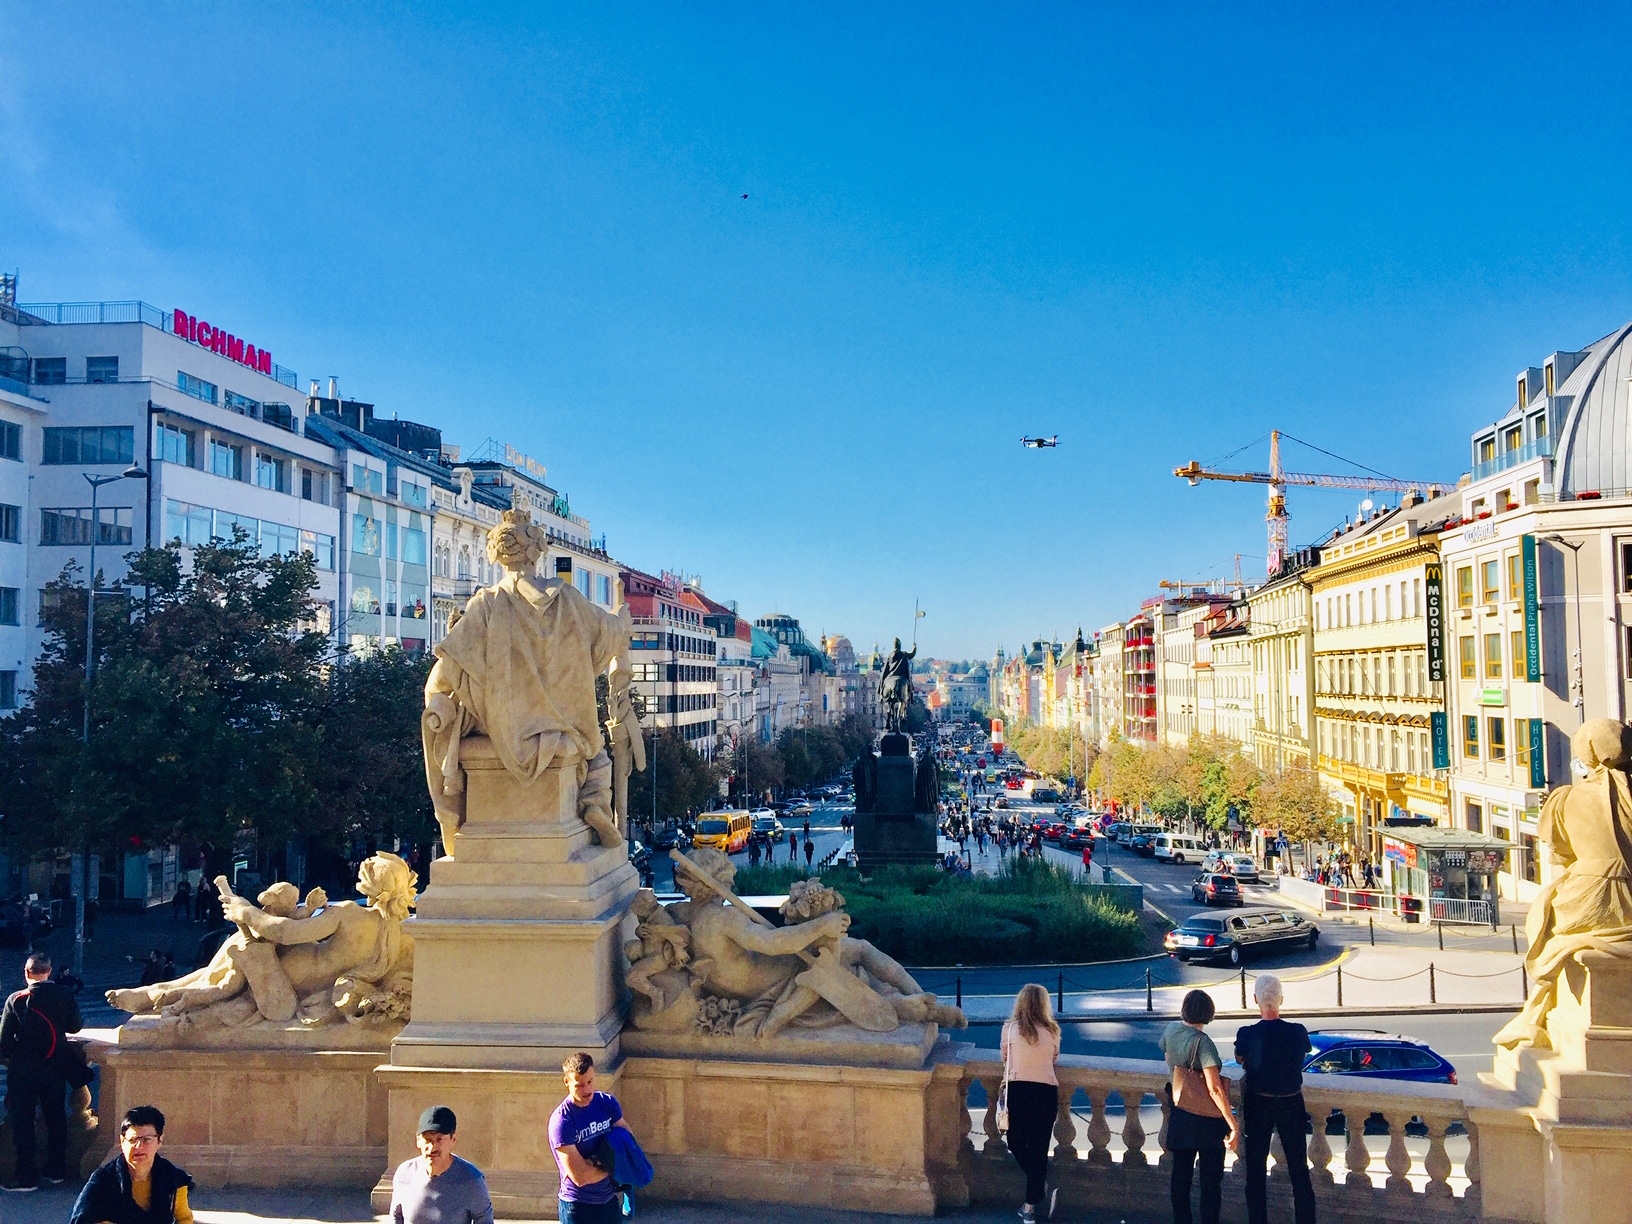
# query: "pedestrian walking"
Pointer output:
{"type": "Point", "coordinates": [1271, 1053]}
{"type": "Point", "coordinates": [1201, 1123]}
{"type": "Point", "coordinates": [201, 900]}
{"type": "Point", "coordinates": [588, 1194]}
{"type": "Point", "coordinates": [34, 1025]}
{"type": "Point", "coordinates": [793, 845]}
{"type": "Point", "coordinates": [753, 851]}
{"type": "Point", "coordinates": [1031, 1048]}
{"type": "Point", "coordinates": [181, 905]}
{"type": "Point", "coordinates": [136, 1184]}
{"type": "Point", "coordinates": [1087, 856]}
{"type": "Point", "coordinates": [437, 1187]}
{"type": "Point", "coordinates": [810, 851]}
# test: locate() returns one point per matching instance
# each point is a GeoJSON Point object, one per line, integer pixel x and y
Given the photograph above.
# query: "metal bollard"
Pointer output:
{"type": "Point", "coordinates": [1150, 1003]}
{"type": "Point", "coordinates": [1243, 989]}
{"type": "Point", "coordinates": [1513, 930]}
{"type": "Point", "coordinates": [1059, 995]}
{"type": "Point", "coordinates": [1371, 929]}
{"type": "Point", "coordinates": [1439, 928]}
{"type": "Point", "coordinates": [1340, 985]}
{"type": "Point", "coordinates": [960, 990]}
{"type": "Point", "coordinates": [1433, 991]}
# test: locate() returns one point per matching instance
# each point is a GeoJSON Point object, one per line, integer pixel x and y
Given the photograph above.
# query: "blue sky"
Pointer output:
{"type": "Point", "coordinates": [1156, 230]}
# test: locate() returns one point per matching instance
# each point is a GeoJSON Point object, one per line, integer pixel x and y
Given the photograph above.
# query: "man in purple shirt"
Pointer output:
{"type": "Point", "coordinates": [588, 1195]}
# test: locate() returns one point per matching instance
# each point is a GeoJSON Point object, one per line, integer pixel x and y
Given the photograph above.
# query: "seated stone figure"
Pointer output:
{"type": "Point", "coordinates": [323, 964]}
{"type": "Point", "coordinates": [758, 976]}
{"type": "Point", "coordinates": [1587, 826]}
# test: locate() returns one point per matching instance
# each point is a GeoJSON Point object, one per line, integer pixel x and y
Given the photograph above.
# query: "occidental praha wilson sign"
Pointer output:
{"type": "Point", "coordinates": [217, 341]}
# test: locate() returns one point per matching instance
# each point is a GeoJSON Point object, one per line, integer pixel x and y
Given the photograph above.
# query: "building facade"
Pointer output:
{"type": "Point", "coordinates": [1281, 639]}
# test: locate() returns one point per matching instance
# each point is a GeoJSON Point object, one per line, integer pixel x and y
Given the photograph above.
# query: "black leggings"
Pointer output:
{"type": "Point", "coordinates": [1032, 1109]}
{"type": "Point", "coordinates": [1192, 1141]}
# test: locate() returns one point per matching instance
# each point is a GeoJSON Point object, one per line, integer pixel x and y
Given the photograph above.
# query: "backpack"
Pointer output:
{"type": "Point", "coordinates": [37, 1036]}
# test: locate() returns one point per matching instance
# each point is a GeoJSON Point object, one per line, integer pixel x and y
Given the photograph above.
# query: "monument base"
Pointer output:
{"type": "Point", "coordinates": [848, 1138]}
{"type": "Point", "coordinates": [844, 1045]}
{"type": "Point", "coordinates": [254, 1118]}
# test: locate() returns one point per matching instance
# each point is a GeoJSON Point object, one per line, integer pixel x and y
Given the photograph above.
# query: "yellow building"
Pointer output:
{"type": "Point", "coordinates": [1373, 696]}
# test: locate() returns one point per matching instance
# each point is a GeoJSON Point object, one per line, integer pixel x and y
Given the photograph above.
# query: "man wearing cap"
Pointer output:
{"type": "Point", "coordinates": [437, 1187]}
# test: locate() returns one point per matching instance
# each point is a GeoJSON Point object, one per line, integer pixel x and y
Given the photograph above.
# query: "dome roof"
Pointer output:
{"type": "Point", "coordinates": [1595, 438]}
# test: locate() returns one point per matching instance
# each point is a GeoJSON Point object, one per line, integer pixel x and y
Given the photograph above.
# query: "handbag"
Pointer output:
{"type": "Point", "coordinates": [1189, 1090]}
{"type": "Point", "coordinates": [1002, 1104]}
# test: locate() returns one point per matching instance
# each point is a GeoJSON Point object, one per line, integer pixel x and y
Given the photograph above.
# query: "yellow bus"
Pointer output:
{"type": "Point", "coordinates": [727, 831]}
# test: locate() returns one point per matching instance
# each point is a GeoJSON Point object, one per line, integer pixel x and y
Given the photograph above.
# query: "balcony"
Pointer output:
{"type": "Point", "coordinates": [1541, 448]}
{"type": "Point", "coordinates": [1387, 1151]}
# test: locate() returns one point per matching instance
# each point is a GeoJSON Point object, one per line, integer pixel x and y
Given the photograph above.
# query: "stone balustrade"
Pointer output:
{"type": "Point", "coordinates": [1405, 1151]}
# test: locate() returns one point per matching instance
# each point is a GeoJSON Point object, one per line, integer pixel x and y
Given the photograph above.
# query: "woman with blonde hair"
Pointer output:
{"type": "Point", "coordinates": [1031, 1047]}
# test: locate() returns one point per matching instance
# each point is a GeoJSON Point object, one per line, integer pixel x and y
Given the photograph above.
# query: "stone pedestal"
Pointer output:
{"type": "Point", "coordinates": [1567, 1148]}
{"type": "Point", "coordinates": [893, 832]}
{"type": "Point", "coordinates": [517, 941]}
{"type": "Point", "coordinates": [262, 1118]}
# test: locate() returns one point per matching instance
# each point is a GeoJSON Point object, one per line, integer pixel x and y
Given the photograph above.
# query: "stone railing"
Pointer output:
{"type": "Point", "coordinates": [1402, 1152]}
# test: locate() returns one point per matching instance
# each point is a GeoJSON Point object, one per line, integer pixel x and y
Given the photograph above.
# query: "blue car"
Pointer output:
{"type": "Point", "coordinates": [1373, 1054]}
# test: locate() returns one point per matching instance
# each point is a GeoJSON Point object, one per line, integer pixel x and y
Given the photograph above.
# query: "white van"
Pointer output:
{"type": "Point", "coordinates": [1179, 848]}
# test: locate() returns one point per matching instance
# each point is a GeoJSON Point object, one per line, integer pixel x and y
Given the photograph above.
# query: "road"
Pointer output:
{"type": "Point", "coordinates": [824, 831]}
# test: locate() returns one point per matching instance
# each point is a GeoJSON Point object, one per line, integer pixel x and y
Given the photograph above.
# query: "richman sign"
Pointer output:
{"type": "Point", "coordinates": [218, 341]}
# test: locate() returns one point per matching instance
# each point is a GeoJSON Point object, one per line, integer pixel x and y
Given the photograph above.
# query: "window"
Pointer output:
{"type": "Point", "coordinates": [101, 369]}
{"type": "Point", "coordinates": [603, 590]}
{"type": "Point", "coordinates": [270, 473]}
{"type": "Point", "coordinates": [320, 546]}
{"type": "Point", "coordinates": [1490, 587]}
{"type": "Point", "coordinates": [196, 387]}
{"type": "Point", "coordinates": [1521, 747]}
{"type": "Point", "coordinates": [1493, 656]}
{"type": "Point", "coordinates": [11, 524]}
{"type": "Point", "coordinates": [390, 597]}
{"type": "Point", "coordinates": [413, 602]}
{"type": "Point", "coordinates": [73, 526]}
{"type": "Point", "coordinates": [11, 440]}
{"type": "Point", "coordinates": [1529, 854]}
{"type": "Point", "coordinates": [1470, 661]}
{"type": "Point", "coordinates": [1464, 586]}
{"type": "Point", "coordinates": [1476, 817]}
{"type": "Point", "coordinates": [1470, 736]}
{"type": "Point", "coordinates": [1515, 577]}
{"type": "Point", "coordinates": [50, 371]}
{"type": "Point", "coordinates": [363, 601]}
{"type": "Point", "coordinates": [8, 690]}
{"type": "Point", "coordinates": [8, 606]}
{"type": "Point", "coordinates": [1512, 440]}
{"type": "Point", "coordinates": [90, 444]}
{"type": "Point", "coordinates": [365, 535]}
{"type": "Point", "coordinates": [228, 524]}
{"type": "Point", "coordinates": [278, 540]}
{"type": "Point", "coordinates": [413, 494]}
{"type": "Point", "coordinates": [363, 478]}
{"type": "Point", "coordinates": [413, 546]}
{"type": "Point", "coordinates": [1497, 730]}
{"type": "Point", "coordinates": [226, 460]}
{"type": "Point", "coordinates": [1487, 449]}
{"type": "Point", "coordinates": [173, 445]}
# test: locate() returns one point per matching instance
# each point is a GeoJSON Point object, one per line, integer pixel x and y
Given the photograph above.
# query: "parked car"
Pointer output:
{"type": "Point", "coordinates": [1045, 794]}
{"type": "Point", "coordinates": [1117, 830]}
{"type": "Point", "coordinates": [1177, 848]}
{"type": "Point", "coordinates": [1236, 936]}
{"type": "Point", "coordinates": [1215, 888]}
{"type": "Point", "coordinates": [1376, 1055]}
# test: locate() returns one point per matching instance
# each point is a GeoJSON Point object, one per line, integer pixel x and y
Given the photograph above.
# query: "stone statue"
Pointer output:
{"type": "Point", "coordinates": [318, 963]}
{"type": "Point", "coordinates": [927, 782]}
{"type": "Point", "coordinates": [895, 686]}
{"type": "Point", "coordinates": [1588, 826]}
{"type": "Point", "coordinates": [746, 979]}
{"type": "Point", "coordinates": [519, 667]}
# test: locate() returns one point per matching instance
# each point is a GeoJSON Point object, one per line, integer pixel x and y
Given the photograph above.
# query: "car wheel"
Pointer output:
{"type": "Point", "coordinates": [1314, 938]}
{"type": "Point", "coordinates": [1235, 954]}
{"type": "Point", "coordinates": [1177, 860]}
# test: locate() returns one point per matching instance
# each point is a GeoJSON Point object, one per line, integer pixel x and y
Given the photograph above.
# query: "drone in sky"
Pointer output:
{"type": "Point", "coordinates": [1040, 443]}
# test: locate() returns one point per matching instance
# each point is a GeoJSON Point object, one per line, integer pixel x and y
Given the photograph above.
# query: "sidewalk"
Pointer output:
{"type": "Point", "coordinates": [341, 1207]}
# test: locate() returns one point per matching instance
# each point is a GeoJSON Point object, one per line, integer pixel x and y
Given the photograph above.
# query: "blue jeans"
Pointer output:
{"type": "Point", "coordinates": [590, 1213]}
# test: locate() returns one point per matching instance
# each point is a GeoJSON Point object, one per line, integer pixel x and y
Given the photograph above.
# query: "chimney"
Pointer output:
{"type": "Point", "coordinates": [334, 387]}
{"type": "Point", "coordinates": [313, 392]}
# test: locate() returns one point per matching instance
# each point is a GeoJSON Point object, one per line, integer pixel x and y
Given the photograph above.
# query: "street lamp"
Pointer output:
{"type": "Point", "coordinates": [1578, 681]}
{"type": "Point", "coordinates": [82, 855]}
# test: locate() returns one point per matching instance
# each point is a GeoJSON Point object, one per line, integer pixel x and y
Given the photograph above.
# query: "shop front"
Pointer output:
{"type": "Point", "coordinates": [1451, 873]}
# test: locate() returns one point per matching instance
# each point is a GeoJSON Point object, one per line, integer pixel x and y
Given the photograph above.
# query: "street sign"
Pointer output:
{"type": "Point", "coordinates": [1433, 585]}
{"type": "Point", "coordinates": [1441, 738]}
{"type": "Point", "coordinates": [1532, 611]}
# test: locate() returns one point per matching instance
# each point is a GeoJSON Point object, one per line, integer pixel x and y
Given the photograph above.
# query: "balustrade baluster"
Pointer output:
{"type": "Point", "coordinates": [1166, 1103]}
{"type": "Point", "coordinates": [1397, 1158]}
{"type": "Point", "coordinates": [1437, 1164]}
{"type": "Point", "coordinates": [1356, 1155]}
{"type": "Point", "coordinates": [966, 1144]}
{"type": "Point", "coordinates": [1474, 1195]}
{"type": "Point", "coordinates": [1065, 1126]}
{"type": "Point", "coordinates": [1133, 1128]}
{"type": "Point", "coordinates": [1320, 1147]}
{"type": "Point", "coordinates": [995, 1146]}
{"type": "Point", "coordinates": [1099, 1130]}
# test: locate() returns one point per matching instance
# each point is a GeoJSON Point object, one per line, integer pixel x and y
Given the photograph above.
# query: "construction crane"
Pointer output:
{"type": "Point", "coordinates": [1223, 584]}
{"type": "Point", "coordinates": [1277, 479]}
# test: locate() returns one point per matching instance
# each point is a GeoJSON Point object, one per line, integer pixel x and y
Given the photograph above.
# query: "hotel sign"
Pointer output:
{"type": "Point", "coordinates": [217, 341]}
{"type": "Point", "coordinates": [1532, 610]}
{"type": "Point", "coordinates": [1433, 585]}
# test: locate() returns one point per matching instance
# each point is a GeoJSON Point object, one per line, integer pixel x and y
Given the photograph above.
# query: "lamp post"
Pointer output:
{"type": "Point", "coordinates": [81, 862]}
{"type": "Point", "coordinates": [1578, 680]}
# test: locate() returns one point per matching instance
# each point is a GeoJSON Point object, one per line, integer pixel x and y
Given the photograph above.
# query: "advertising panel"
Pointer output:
{"type": "Point", "coordinates": [1532, 611]}
{"type": "Point", "coordinates": [1433, 585]}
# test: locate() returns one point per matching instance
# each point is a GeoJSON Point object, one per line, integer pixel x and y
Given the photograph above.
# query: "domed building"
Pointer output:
{"type": "Point", "coordinates": [1537, 630]}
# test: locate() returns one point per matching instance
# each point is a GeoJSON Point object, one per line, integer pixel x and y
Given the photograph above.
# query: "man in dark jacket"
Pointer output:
{"type": "Point", "coordinates": [1271, 1053]}
{"type": "Point", "coordinates": [137, 1185]}
{"type": "Point", "coordinates": [34, 1026]}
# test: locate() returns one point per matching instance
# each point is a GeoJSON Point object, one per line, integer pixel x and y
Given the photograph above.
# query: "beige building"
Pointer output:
{"type": "Point", "coordinates": [1281, 639]}
{"type": "Point", "coordinates": [1108, 682]}
{"type": "Point", "coordinates": [1224, 676]}
{"type": "Point", "coordinates": [1373, 696]}
{"type": "Point", "coordinates": [1538, 594]}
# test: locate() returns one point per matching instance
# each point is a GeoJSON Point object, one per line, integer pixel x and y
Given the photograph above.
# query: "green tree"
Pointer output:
{"type": "Point", "coordinates": [1295, 801]}
{"type": "Point", "coordinates": [686, 783]}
